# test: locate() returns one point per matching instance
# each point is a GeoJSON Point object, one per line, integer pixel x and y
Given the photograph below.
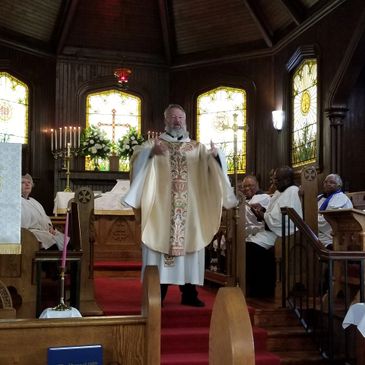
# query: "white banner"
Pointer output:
{"type": "Point", "coordinates": [10, 198]}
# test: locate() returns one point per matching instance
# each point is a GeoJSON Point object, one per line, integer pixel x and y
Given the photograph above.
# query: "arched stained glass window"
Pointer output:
{"type": "Point", "coordinates": [114, 112]}
{"type": "Point", "coordinates": [14, 96]}
{"type": "Point", "coordinates": [221, 118]}
{"type": "Point", "coordinates": [304, 114]}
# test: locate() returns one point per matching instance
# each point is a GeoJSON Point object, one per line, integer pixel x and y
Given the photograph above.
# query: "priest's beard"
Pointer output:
{"type": "Point", "coordinates": [177, 132]}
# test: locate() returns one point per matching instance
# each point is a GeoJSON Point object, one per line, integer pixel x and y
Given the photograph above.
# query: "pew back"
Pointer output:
{"type": "Point", "coordinates": [132, 340]}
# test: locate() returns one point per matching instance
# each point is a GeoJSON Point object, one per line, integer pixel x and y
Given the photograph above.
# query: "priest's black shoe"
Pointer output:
{"type": "Point", "coordinates": [193, 302]}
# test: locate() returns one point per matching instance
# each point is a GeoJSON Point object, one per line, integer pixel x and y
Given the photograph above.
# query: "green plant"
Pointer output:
{"type": "Point", "coordinates": [128, 142]}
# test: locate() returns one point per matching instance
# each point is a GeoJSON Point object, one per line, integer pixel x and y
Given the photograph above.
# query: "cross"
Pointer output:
{"type": "Point", "coordinates": [114, 124]}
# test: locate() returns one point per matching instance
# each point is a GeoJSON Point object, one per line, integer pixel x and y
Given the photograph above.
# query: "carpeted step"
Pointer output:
{"type": "Point", "coordinates": [179, 340]}
{"type": "Point", "coordinates": [261, 358]}
{"type": "Point", "coordinates": [117, 268]}
{"type": "Point", "coordinates": [183, 316]}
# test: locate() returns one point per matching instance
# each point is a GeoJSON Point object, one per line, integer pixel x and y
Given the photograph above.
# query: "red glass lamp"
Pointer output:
{"type": "Point", "coordinates": [122, 74]}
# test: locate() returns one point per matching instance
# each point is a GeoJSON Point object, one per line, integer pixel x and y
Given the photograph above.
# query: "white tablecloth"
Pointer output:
{"type": "Point", "coordinates": [67, 313]}
{"type": "Point", "coordinates": [103, 202]}
{"type": "Point", "coordinates": [356, 316]}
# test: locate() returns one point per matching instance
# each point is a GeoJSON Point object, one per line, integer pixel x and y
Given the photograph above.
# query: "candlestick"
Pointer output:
{"type": "Point", "coordinates": [68, 150]}
{"type": "Point", "coordinates": [60, 138]}
{"type": "Point", "coordinates": [55, 139]}
{"type": "Point", "coordinates": [52, 134]}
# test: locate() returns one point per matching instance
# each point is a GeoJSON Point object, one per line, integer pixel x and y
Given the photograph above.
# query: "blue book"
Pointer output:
{"type": "Point", "coordinates": [76, 355]}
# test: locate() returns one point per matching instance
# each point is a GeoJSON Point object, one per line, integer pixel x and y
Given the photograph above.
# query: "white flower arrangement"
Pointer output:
{"type": "Point", "coordinates": [95, 143]}
{"type": "Point", "coordinates": [128, 142]}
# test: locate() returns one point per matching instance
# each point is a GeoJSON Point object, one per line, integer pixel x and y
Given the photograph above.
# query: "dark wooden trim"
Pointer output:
{"type": "Point", "coordinates": [295, 10]}
{"type": "Point", "coordinates": [167, 30]}
{"type": "Point", "coordinates": [262, 24]}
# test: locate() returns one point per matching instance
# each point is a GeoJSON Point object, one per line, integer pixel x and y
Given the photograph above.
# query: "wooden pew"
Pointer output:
{"type": "Point", "coordinates": [17, 271]}
{"type": "Point", "coordinates": [132, 340]}
{"type": "Point", "coordinates": [6, 304]}
{"type": "Point", "coordinates": [230, 333]}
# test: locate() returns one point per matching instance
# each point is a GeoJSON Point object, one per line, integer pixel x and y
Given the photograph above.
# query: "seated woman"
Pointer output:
{"type": "Point", "coordinates": [34, 218]}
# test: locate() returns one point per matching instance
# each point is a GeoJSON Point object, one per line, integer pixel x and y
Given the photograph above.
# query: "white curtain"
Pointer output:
{"type": "Point", "coordinates": [10, 198]}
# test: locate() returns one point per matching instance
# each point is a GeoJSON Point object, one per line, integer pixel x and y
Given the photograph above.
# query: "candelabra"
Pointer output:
{"type": "Point", "coordinates": [65, 143]}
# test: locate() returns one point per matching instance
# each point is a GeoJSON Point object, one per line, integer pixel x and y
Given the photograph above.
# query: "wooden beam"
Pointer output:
{"type": "Point", "coordinates": [167, 30]}
{"type": "Point", "coordinates": [261, 22]}
{"type": "Point", "coordinates": [64, 23]}
{"type": "Point", "coordinates": [295, 10]}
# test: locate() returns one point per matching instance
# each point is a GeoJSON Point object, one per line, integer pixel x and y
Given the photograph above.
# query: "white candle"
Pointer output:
{"type": "Point", "coordinates": [74, 142]}
{"type": "Point", "coordinates": [60, 138]}
{"type": "Point", "coordinates": [78, 140]}
{"type": "Point", "coordinates": [52, 134]}
{"type": "Point", "coordinates": [70, 128]}
{"type": "Point", "coordinates": [65, 137]}
{"type": "Point", "coordinates": [55, 139]}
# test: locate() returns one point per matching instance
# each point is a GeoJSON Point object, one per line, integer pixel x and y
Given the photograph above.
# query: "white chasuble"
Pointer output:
{"type": "Point", "coordinates": [10, 195]}
{"type": "Point", "coordinates": [181, 197]}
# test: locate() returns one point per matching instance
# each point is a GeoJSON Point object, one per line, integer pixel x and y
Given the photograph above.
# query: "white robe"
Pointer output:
{"type": "Point", "coordinates": [337, 201]}
{"type": "Point", "coordinates": [175, 232]}
{"type": "Point", "coordinates": [253, 226]}
{"type": "Point", "coordinates": [34, 218]}
{"type": "Point", "coordinates": [273, 217]}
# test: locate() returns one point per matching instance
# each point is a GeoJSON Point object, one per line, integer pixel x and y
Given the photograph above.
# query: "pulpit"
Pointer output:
{"type": "Point", "coordinates": [348, 229]}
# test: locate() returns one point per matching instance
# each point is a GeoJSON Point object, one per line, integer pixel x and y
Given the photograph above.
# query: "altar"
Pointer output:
{"type": "Point", "coordinates": [116, 232]}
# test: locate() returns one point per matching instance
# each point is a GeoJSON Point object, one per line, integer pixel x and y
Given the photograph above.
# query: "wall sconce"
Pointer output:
{"type": "Point", "coordinates": [122, 74]}
{"type": "Point", "coordinates": [278, 119]}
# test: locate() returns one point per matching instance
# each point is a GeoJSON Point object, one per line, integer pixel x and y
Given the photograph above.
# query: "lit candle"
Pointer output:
{"type": "Point", "coordinates": [60, 138]}
{"type": "Point", "coordinates": [70, 128]}
{"type": "Point", "coordinates": [52, 136]}
{"type": "Point", "coordinates": [55, 139]}
{"type": "Point", "coordinates": [78, 138]}
{"type": "Point", "coordinates": [65, 243]}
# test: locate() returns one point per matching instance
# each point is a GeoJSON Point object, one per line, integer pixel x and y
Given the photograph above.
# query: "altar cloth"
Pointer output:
{"type": "Point", "coordinates": [67, 313]}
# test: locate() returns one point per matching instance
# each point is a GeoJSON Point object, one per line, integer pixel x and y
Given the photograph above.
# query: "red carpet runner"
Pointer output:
{"type": "Point", "coordinates": [185, 330]}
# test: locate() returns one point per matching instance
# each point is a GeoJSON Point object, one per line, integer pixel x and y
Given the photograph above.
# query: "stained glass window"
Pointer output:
{"type": "Point", "coordinates": [14, 96]}
{"type": "Point", "coordinates": [221, 118]}
{"type": "Point", "coordinates": [114, 112]}
{"type": "Point", "coordinates": [304, 114]}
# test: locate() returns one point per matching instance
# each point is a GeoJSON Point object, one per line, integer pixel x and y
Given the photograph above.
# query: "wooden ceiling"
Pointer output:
{"type": "Point", "coordinates": [167, 32]}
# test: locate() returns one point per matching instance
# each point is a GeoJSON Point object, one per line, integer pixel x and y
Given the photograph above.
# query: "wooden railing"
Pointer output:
{"type": "Point", "coordinates": [308, 286]}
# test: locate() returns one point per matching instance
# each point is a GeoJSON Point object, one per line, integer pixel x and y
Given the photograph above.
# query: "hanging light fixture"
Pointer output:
{"type": "Point", "coordinates": [122, 74]}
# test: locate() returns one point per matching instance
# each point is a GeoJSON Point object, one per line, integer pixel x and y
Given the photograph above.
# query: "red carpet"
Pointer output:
{"type": "Point", "coordinates": [185, 330]}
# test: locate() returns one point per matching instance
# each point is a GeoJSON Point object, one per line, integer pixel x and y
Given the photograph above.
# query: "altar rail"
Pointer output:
{"type": "Point", "coordinates": [132, 340]}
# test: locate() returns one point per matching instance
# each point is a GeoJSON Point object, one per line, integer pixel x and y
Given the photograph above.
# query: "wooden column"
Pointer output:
{"type": "Point", "coordinates": [336, 116]}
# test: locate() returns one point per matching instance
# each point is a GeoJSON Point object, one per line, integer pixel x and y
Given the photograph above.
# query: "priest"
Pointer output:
{"type": "Point", "coordinates": [180, 187]}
